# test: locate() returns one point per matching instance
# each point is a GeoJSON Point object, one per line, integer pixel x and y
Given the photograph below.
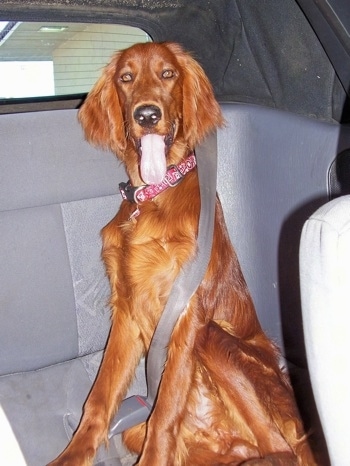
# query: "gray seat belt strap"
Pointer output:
{"type": "Point", "coordinates": [192, 274]}
{"type": "Point", "coordinates": [136, 409]}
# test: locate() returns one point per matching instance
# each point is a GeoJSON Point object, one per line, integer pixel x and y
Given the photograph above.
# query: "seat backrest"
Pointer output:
{"type": "Point", "coordinates": [325, 294]}
{"type": "Point", "coordinates": [56, 193]}
{"type": "Point", "coordinates": [272, 175]}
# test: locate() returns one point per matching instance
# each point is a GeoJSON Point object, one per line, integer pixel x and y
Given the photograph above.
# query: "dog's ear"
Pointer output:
{"type": "Point", "coordinates": [101, 115]}
{"type": "Point", "coordinates": [201, 111]}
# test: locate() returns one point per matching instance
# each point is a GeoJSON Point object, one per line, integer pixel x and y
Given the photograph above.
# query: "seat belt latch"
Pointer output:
{"type": "Point", "coordinates": [132, 411]}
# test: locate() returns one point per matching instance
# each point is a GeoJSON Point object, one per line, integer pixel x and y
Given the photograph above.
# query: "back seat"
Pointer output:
{"type": "Point", "coordinates": [57, 192]}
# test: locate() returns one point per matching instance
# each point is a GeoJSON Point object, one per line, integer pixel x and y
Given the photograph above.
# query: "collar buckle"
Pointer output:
{"type": "Point", "coordinates": [127, 191]}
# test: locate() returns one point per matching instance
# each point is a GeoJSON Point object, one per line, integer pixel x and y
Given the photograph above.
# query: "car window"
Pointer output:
{"type": "Point", "coordinates": [57, 59]}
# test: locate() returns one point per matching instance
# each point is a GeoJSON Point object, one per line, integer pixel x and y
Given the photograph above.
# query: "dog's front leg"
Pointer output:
{"type": "Point", "coordinates": [123, 351]}
{"type": "Point", "coordinates": [163, 426]}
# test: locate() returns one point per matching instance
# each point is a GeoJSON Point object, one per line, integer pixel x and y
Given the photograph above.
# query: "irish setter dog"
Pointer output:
{"type": "Point", "coordinates": [223, 399]}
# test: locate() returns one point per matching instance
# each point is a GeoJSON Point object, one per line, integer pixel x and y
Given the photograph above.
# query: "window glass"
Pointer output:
{"type": "Point", "coordinates": [55, 59]}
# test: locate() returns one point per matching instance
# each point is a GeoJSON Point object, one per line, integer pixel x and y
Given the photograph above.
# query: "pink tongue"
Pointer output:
{"type": "Point", "coordinates": [153, 162]}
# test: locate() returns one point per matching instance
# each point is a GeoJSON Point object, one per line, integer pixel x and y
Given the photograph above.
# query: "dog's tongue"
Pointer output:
{"type": "Point", "coordinates": [153, 161]}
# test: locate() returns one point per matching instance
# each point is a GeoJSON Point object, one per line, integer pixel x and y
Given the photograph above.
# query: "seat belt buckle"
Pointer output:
{"type": "Point", "coordinates": [132, 411]}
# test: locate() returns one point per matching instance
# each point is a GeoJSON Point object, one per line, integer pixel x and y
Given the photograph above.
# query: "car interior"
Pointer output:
{"type": "Point", "coordinates": [281, 73]}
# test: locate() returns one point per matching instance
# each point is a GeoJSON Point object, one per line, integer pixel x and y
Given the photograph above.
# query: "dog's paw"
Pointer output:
{"type": "Point", "coordinates": [69, 458]}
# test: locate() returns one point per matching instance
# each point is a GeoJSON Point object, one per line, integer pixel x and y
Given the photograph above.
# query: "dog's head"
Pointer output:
{"type": "Point", "coordinates": [153, 100]}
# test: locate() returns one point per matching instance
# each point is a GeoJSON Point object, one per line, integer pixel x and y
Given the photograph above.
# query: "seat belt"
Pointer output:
{"type": "Point", "coordinates": [136, 409]}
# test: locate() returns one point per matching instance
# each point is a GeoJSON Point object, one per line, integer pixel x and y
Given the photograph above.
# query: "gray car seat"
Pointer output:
{"type": "Point", "coordinates": [56, 193]}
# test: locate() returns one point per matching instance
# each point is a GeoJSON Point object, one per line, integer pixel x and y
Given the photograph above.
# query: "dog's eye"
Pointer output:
{"type": "Point", "coordinates": [126, 77]}
{"type": "Point", "coordinates": [168, 74]}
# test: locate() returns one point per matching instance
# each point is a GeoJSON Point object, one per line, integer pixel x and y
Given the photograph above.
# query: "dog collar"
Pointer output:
{"type": "Point", "coordinates": [174, 175]}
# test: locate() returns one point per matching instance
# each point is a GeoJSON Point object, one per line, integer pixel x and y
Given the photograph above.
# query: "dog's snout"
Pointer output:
{"type": "Point", "coordinates": [147, 115]}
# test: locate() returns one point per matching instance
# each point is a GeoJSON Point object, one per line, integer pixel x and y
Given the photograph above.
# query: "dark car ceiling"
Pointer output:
{"type": "Point", "coordinates": [255, 51]}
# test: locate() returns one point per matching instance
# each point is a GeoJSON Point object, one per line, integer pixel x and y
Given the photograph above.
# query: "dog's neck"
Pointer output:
{"type": "Point", "coordinates": [173, 177]}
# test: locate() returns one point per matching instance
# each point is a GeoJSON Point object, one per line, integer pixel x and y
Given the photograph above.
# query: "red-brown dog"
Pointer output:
{"type": "Point", "coordinates": [222, 398]}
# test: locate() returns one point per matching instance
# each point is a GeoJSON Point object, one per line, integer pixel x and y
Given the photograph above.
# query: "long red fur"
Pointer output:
{"type": "Point", "coordinates": [223, 398]}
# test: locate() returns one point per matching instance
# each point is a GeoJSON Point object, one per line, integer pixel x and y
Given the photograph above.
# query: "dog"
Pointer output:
{"type": "Point", "coordinates": [223, 399]}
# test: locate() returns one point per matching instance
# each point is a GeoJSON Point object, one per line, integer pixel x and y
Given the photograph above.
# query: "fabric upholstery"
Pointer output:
{"type": "Point", "coordinates": [325, 293]}
{"type": "Point", "coordinates": [83, 221]}
{"type": "Point", "coordinates": [33, 296]}
{"type": "Point", "coordinates": [55, 196]}
{"type": "Point", "coordinates": [38, 404]}
{"type": "Point", "coordinates": [45, 160]}
{"type": "Point", "coordinates": [271, 176]}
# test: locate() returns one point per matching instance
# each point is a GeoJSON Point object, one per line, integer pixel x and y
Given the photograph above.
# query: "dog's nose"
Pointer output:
{"type": "Point", "coordinates": [147, 115]}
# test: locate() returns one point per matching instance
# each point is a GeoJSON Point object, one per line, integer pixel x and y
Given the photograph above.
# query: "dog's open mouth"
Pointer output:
{"type": "Point", "coordinates": [153, 149]}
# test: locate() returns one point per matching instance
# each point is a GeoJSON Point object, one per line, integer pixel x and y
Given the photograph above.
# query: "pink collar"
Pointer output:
{"type": "Point", "coordinates": [174, 175]}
